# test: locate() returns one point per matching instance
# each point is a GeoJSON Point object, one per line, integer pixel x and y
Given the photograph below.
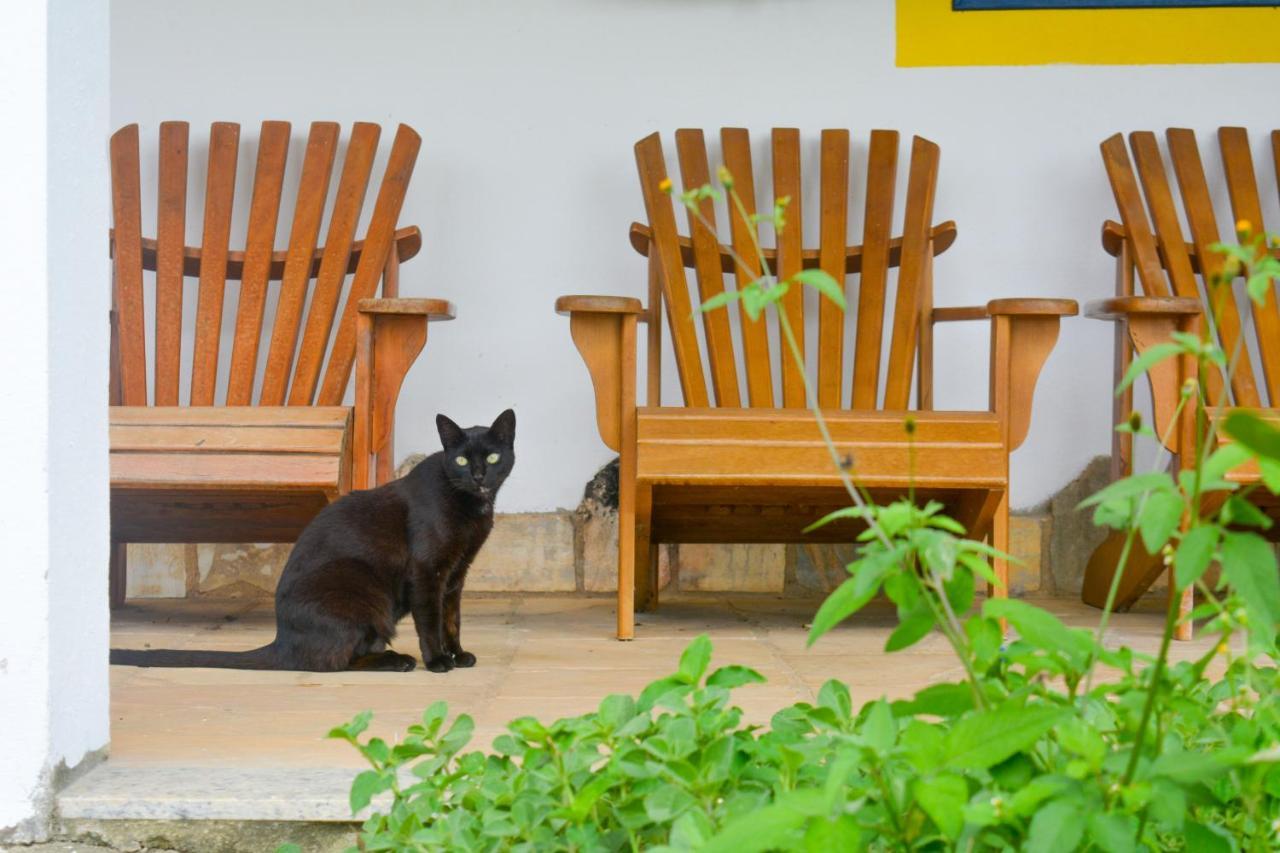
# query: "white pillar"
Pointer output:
{"type": "Point", "coordinates": [54, 298]}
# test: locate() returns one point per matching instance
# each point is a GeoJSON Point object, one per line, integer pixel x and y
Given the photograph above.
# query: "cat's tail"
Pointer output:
{"type": "Point", "coordinates": [263, 658]}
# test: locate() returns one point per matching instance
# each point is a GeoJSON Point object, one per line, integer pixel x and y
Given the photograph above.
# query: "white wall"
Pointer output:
{"type": "Point", "coordinates": [526, 183]}
{"type": "Point", "coordinates": [53, 509]}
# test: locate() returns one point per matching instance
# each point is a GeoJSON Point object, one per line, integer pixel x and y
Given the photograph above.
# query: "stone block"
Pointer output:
{"type": "Point", "coordinates": [1027, 535]}
{"type": "Point", "coordinates": [158, 571]}
{"type": "Point", "coordinates": [817, 568]}
{"type": "Point", "coordinates": [527, 552]}
{"type": "Point", "coordinates": [731, 568]}
{"type": "Point", "coordinates": [240, 571]}
{"type": "Point", "coordinates": [600, 552]}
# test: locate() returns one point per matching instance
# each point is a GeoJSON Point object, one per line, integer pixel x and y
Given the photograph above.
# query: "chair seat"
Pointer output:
{"type": "Point", "coordinates": [224, 474]}
{"type": "Point", "coordinates": [773, 447]}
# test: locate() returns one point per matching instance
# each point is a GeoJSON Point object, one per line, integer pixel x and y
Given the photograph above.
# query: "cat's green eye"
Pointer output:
{"type": "Point", "coordinates": [492, 458]}
{"type": "Point", "coordinates": [461, 460]}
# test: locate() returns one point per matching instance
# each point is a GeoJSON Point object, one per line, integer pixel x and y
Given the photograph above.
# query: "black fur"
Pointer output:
{"type": "Point", "coordinates": [371, 557]}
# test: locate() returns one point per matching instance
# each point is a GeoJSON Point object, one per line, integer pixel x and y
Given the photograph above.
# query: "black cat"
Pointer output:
{"type": "Point", "coordinates": [371, 557]}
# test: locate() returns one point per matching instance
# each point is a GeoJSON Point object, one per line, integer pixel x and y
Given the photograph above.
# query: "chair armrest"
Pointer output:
{"type": "Point", "coordinates": [1125, 307]}
{"type": "Point", "coordinates": [959, 314]}
{"type": "Point", "coordinates": [433, 309]}
{"type": "Point", "coordinates": [1033, 308]}
{"type": "Point", "coordinates": [604, 330]}
{"type": "Point", "coordinates": [567, 305]}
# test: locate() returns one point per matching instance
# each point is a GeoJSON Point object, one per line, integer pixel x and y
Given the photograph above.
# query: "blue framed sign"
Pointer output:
{"type": "Point", "coordinates": [996, 5]}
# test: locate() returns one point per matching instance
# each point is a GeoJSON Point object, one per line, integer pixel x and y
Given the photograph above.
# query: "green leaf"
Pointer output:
{"type": "Point", "coordinates": [1249, 565]}
{"type": "Point", "coordinates": [1161, 514]}
{"type": "Point", "coordinates": [720, 300]}
{"type": "Point", "coordinates": [943, 799]}
{"type": "Point", "coordinates": [529, 729]}
{"type": "Point", "coordinates": [842, 833]}
{"type": "Point", "coordinates": [434, 716]}
{"type": "Point", "coordinates": [913, 628]}
{"type": "Point", "coordinates": [971, 744]}
{"type": "Point", "coordinates": [665, 803]}
{"type": "Point", "coordinates": [836, 515]}
{"type": "Point", "coordinates": [938, 700]}
{"type": "Point", "coordinates": [1036, 625]}
{"type": "Point", "coordinates": [733, 676]}
{"type": "Point", "coordinates": [288, 848]}
{"type": "Point", "coordinates": [1191, 767]}
{"type": "Point", "coordinates": [842, 603]}
{"type": "Point", "coordinates": [824, 284]}
{"type": "Point", "coordinates": [1194, 554]}
{"type": "Point", "coordinates": [365, 786]}
{"type": "Point", "coordinates": [459, 734]}
{"type": "Point", "coordinates": [1224, 459]}
{"type": "Point", "coordinates": [353, 729]}
{"type": "Point", "coordinates": [1130, 487]}
{"type": "Point", "coordinates": [1149, 359]}
{"type": "Point", "coordinates": [1113, 832]}
{"type": "Point", "coordinates": [879, 729]}
{"type": "Point", "coordinates": [1254, 433]}
{"type": "Point", "coordinates": [1204, 839]}
{"type": "Point", "coordinates": [1056, 827]}
{"type": "Point", "coordinates": [615, 710]}
{"type": "Point", "coordinates": [694, 659]}
{"type": "Point", "coordinates": [1241, 512]}
{"type": "Point", "coordinates": [835, 695]}
{"type": "Point", "coordinates": [769, 827]}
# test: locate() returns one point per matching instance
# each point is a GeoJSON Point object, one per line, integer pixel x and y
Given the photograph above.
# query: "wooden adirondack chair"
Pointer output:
{"type": "Point", "coordinates": [746, 464]}
{"type": "Point", "coordinates": [252, 457]}
{"type": "Point", "coordinates": [1173, 274]}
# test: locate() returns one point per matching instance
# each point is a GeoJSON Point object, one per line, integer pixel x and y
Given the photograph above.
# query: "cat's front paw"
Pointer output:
{"type": "Point", "coordinates": [464, 659]}
{"type": "Point", "coordinates": [440, 663]}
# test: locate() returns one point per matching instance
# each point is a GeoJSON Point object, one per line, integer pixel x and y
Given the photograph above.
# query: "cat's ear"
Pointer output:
{"type": "Point", "coordinates": [451, 435]}
{"type": "Point", "coordinates": [504, 428]}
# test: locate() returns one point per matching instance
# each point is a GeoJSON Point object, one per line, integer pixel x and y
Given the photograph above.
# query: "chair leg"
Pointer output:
{"type": "Point", "coordinates": [1184, 629]}
{"type": "Point", "coordinates": [646, 554]}
{"type": "Point", "coordinates": [1000, 541]}
{"type": "Point", "coordinates": [118, 574]}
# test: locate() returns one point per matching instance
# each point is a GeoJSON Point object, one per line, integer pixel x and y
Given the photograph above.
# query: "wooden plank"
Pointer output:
{"type": "Point", "coordinates": [833, 198]}
{"type": "Point", "coordinates": [691, 149]}
{"type": "Point", "coordinates": [1242, 185]}
{"type": "Point", "coordinates": [333, 267]}
{"type": "Point", "coordinates": [213, 515]}
{"type": "Point", "coordinates": [1175, 256]}
{"type": "Point", "coordinates": [224, 144]}
{"type": "Point", "coordinates": [653, 171]}
{"type": "Point", "coordinates": [877, 229]}
{"type": "Point", "coordinates": [921, 185]}
{"type": "Point", "coordinates": [195, 471]}
{"type": "Point", "coordinates": [735, 146]}
{"type": "Point", "coordinates": [325, 417]}
{"type": "Point", "coordinates": [264, 213]}
{"type": "Point", "coordinates": [313, 190]}
{"type": "Point", "coordinates": [1198, 206]}
{"type": "Point", "coordinates": [786, 184]}
{"type": "Point", "coordinates": [377, 244]}
{"type": "Point", "coordinates": [126, 203]}
{"type": "Point", "coordinates": [218, 439]}
{"type": "Point", "coordinates": [1124, 186]}
{"type": "Point", "coordinates": [171, 235]}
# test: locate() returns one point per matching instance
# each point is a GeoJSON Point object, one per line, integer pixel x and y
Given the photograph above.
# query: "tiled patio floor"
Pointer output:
{"type": "Point", "coordinates": [541, 656]}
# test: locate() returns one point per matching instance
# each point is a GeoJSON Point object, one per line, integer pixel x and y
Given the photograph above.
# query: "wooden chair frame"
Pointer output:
{"type": "Point", "coordinates": [258, 463]}
{"type": "Point", "coordinates": [1173, 274]}
{"type": "Point", "coordinates": [731, 467]}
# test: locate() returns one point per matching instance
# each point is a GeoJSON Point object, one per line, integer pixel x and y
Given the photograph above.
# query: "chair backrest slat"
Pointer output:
{"type": "Point", "coordinates": [356, 168]}
{"type": "Point", "coordinates": [224, 146]}
{"type": "Point", "coordinates": [1242, 185]}
{"type": "Point", "coordinates": [377, 244]}
{"type": "Point", "coordinates": [1198, 207]}
{"type": "Point", "coordinates": [912, 274]}
{"type": "Point", "coordinates": [671, 254]}
{"type": "Point", "coordinates": [675, 288]}
{"type": "Point", "coordinates": [1124, 184]}
{"type": "Point", "coordinates": [313, 190]}
{"type": "Point", "coordinates": [833, 239]}
{"type": "Point", "coordinates": [1146, 155]}
{"type": "Point", "coordinates": [786, 184]}
{"type": "Point", "coordinates": [264, 213]}
{"type": "Point", "coordinates": [171, 235]}
{"type": "Point", "coordinates": [877, 231]}
{"type": "Point", "coordinates": [691, 149]}
{"type": "Point", "coordinates": [735, 145]}
{"type": "Point", "coordinates": [127, 267]}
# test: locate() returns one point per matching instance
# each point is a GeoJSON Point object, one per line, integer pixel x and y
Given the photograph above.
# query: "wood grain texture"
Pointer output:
{"type": "Point", "coordinates": [220, 186]}
{"type": "Point", "coordinates": [299, 269]}
{"type": "Point", "coordinates": [171, 233]}
{"type": "Point", "coordinates": [264, 213]}
{"type": "Point", "coordinates": [790, 260]}
{"type": "Point", "coordinates": [127, 299]}
{"type": "Point", "coordinates": [735, 144]}
{"type": "Point", "coordinates": [833, 236]}
{"type": "Point", "coordinates": [882, 175]}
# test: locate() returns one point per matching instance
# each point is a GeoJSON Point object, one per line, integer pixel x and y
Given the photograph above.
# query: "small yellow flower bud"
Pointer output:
{"type": "Point", "coordinates": [725, 177]}
{"type": "Point", "coordinates": [909, 424]}
{"type": "Point", "coordinates": [665, 185]}
{"type": "Point", "coordinates": [1243, 228]}
{"type": "Point", "coordinates": [1135, 420]}
{"type": "Point", "coordinates": [1223, 648]}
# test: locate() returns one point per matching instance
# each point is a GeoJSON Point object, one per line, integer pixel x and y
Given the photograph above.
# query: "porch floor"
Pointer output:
{"type": "Point", "coordinates": [226, 744]}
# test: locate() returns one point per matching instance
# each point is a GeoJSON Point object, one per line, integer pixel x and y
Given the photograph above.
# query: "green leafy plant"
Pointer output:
{"type": "Point", "coordinates": [1056, 739]}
